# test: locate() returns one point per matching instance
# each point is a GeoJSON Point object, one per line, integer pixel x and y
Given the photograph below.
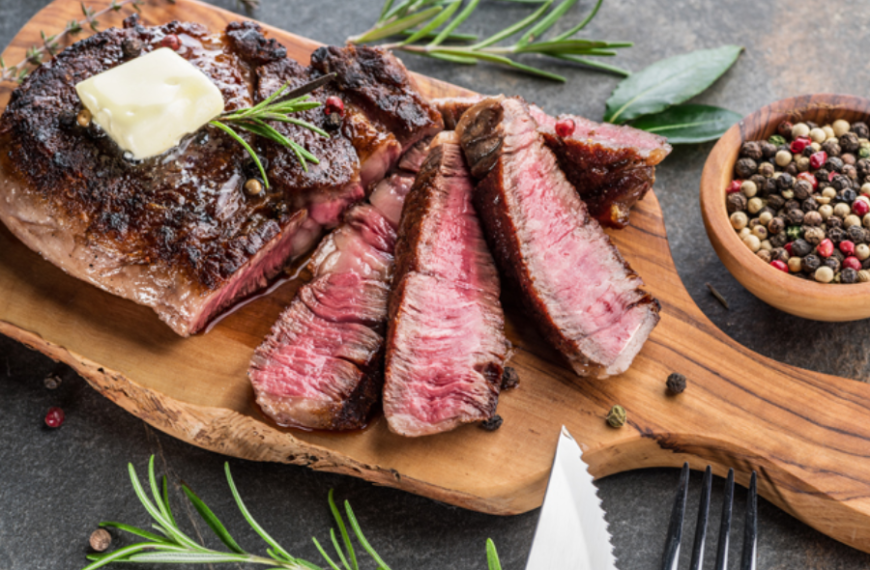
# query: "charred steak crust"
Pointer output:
{"type": "Point", "coordinates": [445, 337]}
{"type": "Point", "coordinates": [378, 82]}
{"type": "Point", "coordinates": [250, 43]}
{"type": "Point", "coordinates": [483, 132]}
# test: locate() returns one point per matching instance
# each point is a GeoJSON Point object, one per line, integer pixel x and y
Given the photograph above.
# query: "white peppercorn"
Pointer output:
{"type": "Point", "coordinates": [829, 192]}
{"type": "Point", "coordinates": [760, 232]}
{"type": "Point", "coordinates": [794, 265]}
{"type": "Point", "coordinates": [800, 130]}
{"type": "Point", "coordinates": [842, 210]}
{"type": "Point", "coordinates": [765, 217]}
{"type": "Point", "coordinates": [764, 255]}
{"type": "Point", "coordinates": [744, 232]}
{"type": "Point", "coordinates": [841, 127]}
{"type": "Point", "coordinates": [829, 132]}
{"type": "Point", "coordinates": [752, 242]}
{"type": "Point", "coordinates": [851, 220]}
{"type": "Point", "coordinates": [864, 276]}
{"type": "Point", "coordinates": [754, 205]}
{"type": "Point", "coordinates": [866, 220]}
{"type": "Point", "coordinates": [766, 245]}
{"type": "Point", "coordinates": [824, 274]}
{"type": "Point", "coordinates": [749, 188]}
{"type": "Point", "coordinates": [814, 235]}
{"type": "Point", "coordinates": [816, 147]}
{"type": "Point", "coordinates": [739, 220]}
{"type": "Point", "coordinates": [766, 169]}
{"type": "Point", "coordinates": [818, 135]}
{"type": "Point", "coordinates": [862, 251]}
{"type": "Point", "coordinates": [802, 163]}
{"type": "Point", "coordinates": [827, 211]}
{"type": "Point", "coordinates": [783, 158]}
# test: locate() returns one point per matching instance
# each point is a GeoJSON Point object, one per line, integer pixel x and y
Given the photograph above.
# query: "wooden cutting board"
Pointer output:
{"type": "Point", "coordinates": [807, 434]}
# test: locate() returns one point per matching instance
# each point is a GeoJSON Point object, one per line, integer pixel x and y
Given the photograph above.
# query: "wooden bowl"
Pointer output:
{"type": "Point", "coordinates": [807, 299]}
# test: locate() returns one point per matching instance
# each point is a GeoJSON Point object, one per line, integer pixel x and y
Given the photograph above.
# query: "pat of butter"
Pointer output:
{"type": "Point", "coordinates": [148, 104]}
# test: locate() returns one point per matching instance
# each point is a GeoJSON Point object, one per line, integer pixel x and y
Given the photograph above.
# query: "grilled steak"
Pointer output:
{"type": "Point", "coordinates": [445, 343]}
{"type": "Point", "coordinates": [585, 298]}
{"type": "Point", "coordinates": [612, 167]}
{"type": "Point", "coordinates": [176, 232]}
{"type": "Point", "coordinates": [320, 367]}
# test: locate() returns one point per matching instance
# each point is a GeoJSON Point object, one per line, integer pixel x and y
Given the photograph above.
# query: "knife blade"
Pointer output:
{"type": "Point", "coordinates": [572, 533]}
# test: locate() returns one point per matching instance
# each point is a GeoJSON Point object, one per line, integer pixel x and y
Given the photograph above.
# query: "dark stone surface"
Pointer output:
{"type": "Point", "coordinates": [56, 485]}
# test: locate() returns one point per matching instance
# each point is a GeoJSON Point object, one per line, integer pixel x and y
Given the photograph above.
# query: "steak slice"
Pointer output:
{"type": "Point", "coordinates": [585, 298]}
{"type": "Point", "coordinates": [320, 368]}
{"type": "Point", "coordinates": [612, 167]}
{"type": "Point", "coordinates": [445, 343]}
{"type": "Point", "coordinates": [177, 232]}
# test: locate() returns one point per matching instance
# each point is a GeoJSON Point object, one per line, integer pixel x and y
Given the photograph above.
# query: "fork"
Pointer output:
{"type": "Point", "coordinates": [671, 557]}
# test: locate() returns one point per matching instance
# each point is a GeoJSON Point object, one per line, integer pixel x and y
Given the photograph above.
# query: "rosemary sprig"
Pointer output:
{"type": "Point", "coordinates": [419, 21]}
{"type": "Point", "coordinates": [51, 44]}
{"type": "Point", "coordinates": [276, 107]}
{"type": "Point", "coordinates": [171, 545]}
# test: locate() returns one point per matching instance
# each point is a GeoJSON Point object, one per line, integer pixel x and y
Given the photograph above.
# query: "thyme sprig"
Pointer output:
{"type": "Point", "coordinates": [51, 44]}
{"type": "Point", "coordinates": [171, 545]}
{"type": "Point", "coordinates": [276, 107]}
{"type": "Point", "coordinates": [428, 24]}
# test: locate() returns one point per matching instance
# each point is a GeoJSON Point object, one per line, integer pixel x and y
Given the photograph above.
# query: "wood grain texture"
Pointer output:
{"type": "Point", "coordinates": [807, 299]}
{"type": "Point", "coordinates": [805, 433]}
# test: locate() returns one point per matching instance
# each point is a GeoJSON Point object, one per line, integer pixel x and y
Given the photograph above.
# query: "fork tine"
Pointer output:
{"type": "Point", "coordinates": [725, 525]}
{"type": "Point", "coordinates": [701, 527]}
{"type": "Point", "coordinates": [750, 527]}
{"type": "Point", "coordinates": [671, 557]}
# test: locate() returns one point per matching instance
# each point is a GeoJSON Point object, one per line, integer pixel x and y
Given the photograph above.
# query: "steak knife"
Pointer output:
{"type": "Point", "coordinates": [572, 533]}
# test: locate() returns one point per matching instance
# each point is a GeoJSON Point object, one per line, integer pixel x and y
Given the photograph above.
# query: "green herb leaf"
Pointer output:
{"type": "Point", "coordinates": [492, 555]}
{"type": "Point", "coordinates": [447, 32]}
{"type": "Point", "coordinates": [689, 123]}
{"type": "Point", "coordinates": [339, 520]}
{"type": "Point", "coordinates": [668, 82]}
{"type": "Point", "coordinates": [362, 539]}
{"type": "Point", "coordinates": [435, 23]}
{"type": "Point", "coordinates": [518, 27]}
{"type": "Point", "coordinates": [546, 23]}
{"type": "Point", "coordinates": [133, 530]}
{"type": "Point", "coordinates": [211, 520]}
{"type": "Point", "coordinates": [399, 25]}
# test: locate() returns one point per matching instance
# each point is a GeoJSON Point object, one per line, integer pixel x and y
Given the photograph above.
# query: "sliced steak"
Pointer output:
{"type": "Point", "coordinates": [585, 298]}
{"type": "Point", "coordinates": [320, 368]}
{"type": "Point", "coordinates": [177, 232]}
{"type": "Point", "coordinates": [612, 167]}
{"type": "Point", "coordinates": [445, 343]}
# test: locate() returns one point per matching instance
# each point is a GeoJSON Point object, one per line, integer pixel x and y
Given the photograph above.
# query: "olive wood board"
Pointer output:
{"type": "Point", "coordinates": [806, 434]}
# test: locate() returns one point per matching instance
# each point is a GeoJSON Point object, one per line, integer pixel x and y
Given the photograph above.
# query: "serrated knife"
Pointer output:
{"type": "Point", "coordinates": [572, 533]}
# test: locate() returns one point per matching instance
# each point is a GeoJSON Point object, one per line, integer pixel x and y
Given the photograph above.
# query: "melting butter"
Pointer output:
{"type": "Point", "coordinates": [148, 104]}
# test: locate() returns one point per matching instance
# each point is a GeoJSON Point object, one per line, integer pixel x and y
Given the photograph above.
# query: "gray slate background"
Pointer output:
{"type": "Point", "coordinates": [55, 486]}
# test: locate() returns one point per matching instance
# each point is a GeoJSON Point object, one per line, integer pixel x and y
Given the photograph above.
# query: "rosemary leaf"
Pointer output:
{"type": "Point", "coordinates": [338, 548]}
{"type": "Point", "coordinates": [582, 24]}
{"type": "Point", "coordinates": [326, 557]}
{"type": "Point", "coordinates": [592, 63]}
{"type": "Point", "coordinates": [176, 535]}
{"type": "Point", "coordinates": [545, 24]}
{"type": "Point", "coordinates": [119, 555]}
{"type": "Point", "coordinates": [398, 26]}
{"type": "Point", "coordinates": [189, 557]}
{"type": "Point", "coordinates": [436, 22]}
{"type": "Point", "coordinates": [563, 46]}
{"type": "Point", "coordinates": [166, 500]}
{"type": "Point", "coordinates": [362, 539]}
{"type": "Point", "coordinates": [519, 26]}
{"type": "Point", "coordinates": [211, 520]}
{"type": "Point", "coordinates": [492, 555]}
{"type": "Point", "coordinates": [387, 5]}
{"type": "Point", "coordinates": [246, 146]}
{"type": "Point", "coordinates": [133, 530]}
{"type": "Point", "coordinates": [448, 57]}
{"type": "Point", "coordinates": [336, 514]}
{"type": "Point", "coordinates": [495, 58]}
{"type": "Point", "coordinates": [247, 515]}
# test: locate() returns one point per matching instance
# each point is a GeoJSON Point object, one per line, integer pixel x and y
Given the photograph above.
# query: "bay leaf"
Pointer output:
{"type": "Point", "coordinates": [689, 123]}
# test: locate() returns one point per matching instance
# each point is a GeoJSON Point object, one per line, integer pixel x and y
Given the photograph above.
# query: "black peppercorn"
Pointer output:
{"type": "Point", "coordinates": [131, 47]}
{"type": "Point", "coordinates": [780, 253]}
{"type": "Point", "coordinates": [850, 172]}
{"type": "Point", "coordinates": [768, 150]}
{"type": "Point", "coordinates": [810, 205]}
{"type": "Point", "coordinates": [785, 181]}
{"type": "Point", "coordinates": [333, 121]}
{"type": "Point", "coordinates": [795, 216]}
{"type": "Point", "coordinates": [802, 189]}
{"type": "Point", "coordinates": [751, 149]}
{"type": "Point", "coordinates": [812, 218]}
{"type": "Point", "coordinates": [776, 201]}
{"type": "Point", "coordinates": [861, 130]}
{"type": "Point", "coordinates": [775, 225]}
{"type": "Point", "coordinates": [495, 421]}
{"type": "Point", "coordinates": [836, 234]}
{"type": "Point", "coordinates": [763, 255]}
{"type": "Point", "coordinates": [784, 129]}
{"type": "Point", "coordinates": [863, 167]}
{"type": "Point", "coordinates": [865, 264]}
{"type": "Point", "coordinates": [834, 222]}
{"type": "Point", "coordinates": [856, 234]}
{"type": "Point", "coordinates": [791, 205]}
{"type": "Point", "coordinates": [758, 180]}
{"type": "Point", "coordinates": [766, 169]}
{"type": "Point", "coordinates": [791, 168]}
{"type": "Point", "coordinates": [848, 160]}
{"type": "Point", "coordinates": [810, 263]}
{"type": "Point", "coordinates": [838, 255]}
{"type": "Point", "coordinates": [779, 239]}
{"type": "Point", "coordinates": [849, 142]}
{"type": "Point", "coordinates": [831, 147]}
{"type": "Point", "coordinates": [841, 182]}
{"type": "Point", "coordinates": [848, 275]}
{"type": "Point", "coordinates": [808, 151]}
{"type": "Point", "coordinates": [745, 168]}
{"type": "Point", "coordinates": [821, 175]}
{"type": "Point", "coordinates": [676, 383]}
{"type": "Point", "coordinates": [509, 379]}
{"type": "Point", "coordinates": [811, 125]}
{"type": "Point", "coordinates": [813, 234]}
{"type": "Point", "coordinates": [769, 187]}
{"type": "Point", "coordinates": [848, 194]}
{"type": "Point", "coordinates": [280, 209]}
{"type": "Point", "coordinates": [800, 248]}
{"type": "Point", "coordinates": [834, 164]}
{"type": "Point", "coordinates": [833, 263]}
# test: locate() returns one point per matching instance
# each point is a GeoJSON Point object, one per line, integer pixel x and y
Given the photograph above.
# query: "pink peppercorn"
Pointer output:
{"type": "Point", "coordinates": [334, 105]}
{"type": "Point", "coordinates": [817, 160]}
{"type": "Point", "coordinates": [860, 207]}
{"type": "Point", "coordinates": [798, 145]}
{"type": "Point", "coordinates": [787, 247]}
{"type": "Point", "coordinates": [565, 127]}
{"type": "Point", "coordinates": [847, 247]}
{"type": "Point", "coordinates": [852, 262]}
{"type": "Point", "coordinates": [54, 417]}
{"type": "Point", "coordinates": [778, 264]}
{"type": "Point", "coordinates": [809, 178]}
{"type": "Point", "coordinates": [825, 248]}
{"type": "Point", "coordinates": [171, 41]}
{"type": "Point", "coordinates": [734, 186]}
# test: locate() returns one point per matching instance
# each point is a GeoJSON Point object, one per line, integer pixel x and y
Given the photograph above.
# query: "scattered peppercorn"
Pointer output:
{"type": "Point", "coordinates": [565, 128]}
{"type": "Point", "coordinates": [333, 122]}
{"type": "Point", "coordinates": [131, 47]}
{"type": "Point", "coordinates": [616, 417]}
{"type": "Point", "coordinates": [100, 540]}
{"type": "Point", "coordinates": [84, 118]}
{"type": "Point", "coordinates": [333, 104]}
{"type": "Point", "coordinates": [253, 187]}
{"type": "Point", "coordinates": [54, 417]}
{"type": "Point", "coordinates": [53, 381]}
{"type": "Point", "coordinates": [676, 383]}
{"type": "Point", "coordinates": [492, 423]}
{"type": "Point", "coordinates": [509, 379]}
{"type": "Point", "coordinates": [171, 41]}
